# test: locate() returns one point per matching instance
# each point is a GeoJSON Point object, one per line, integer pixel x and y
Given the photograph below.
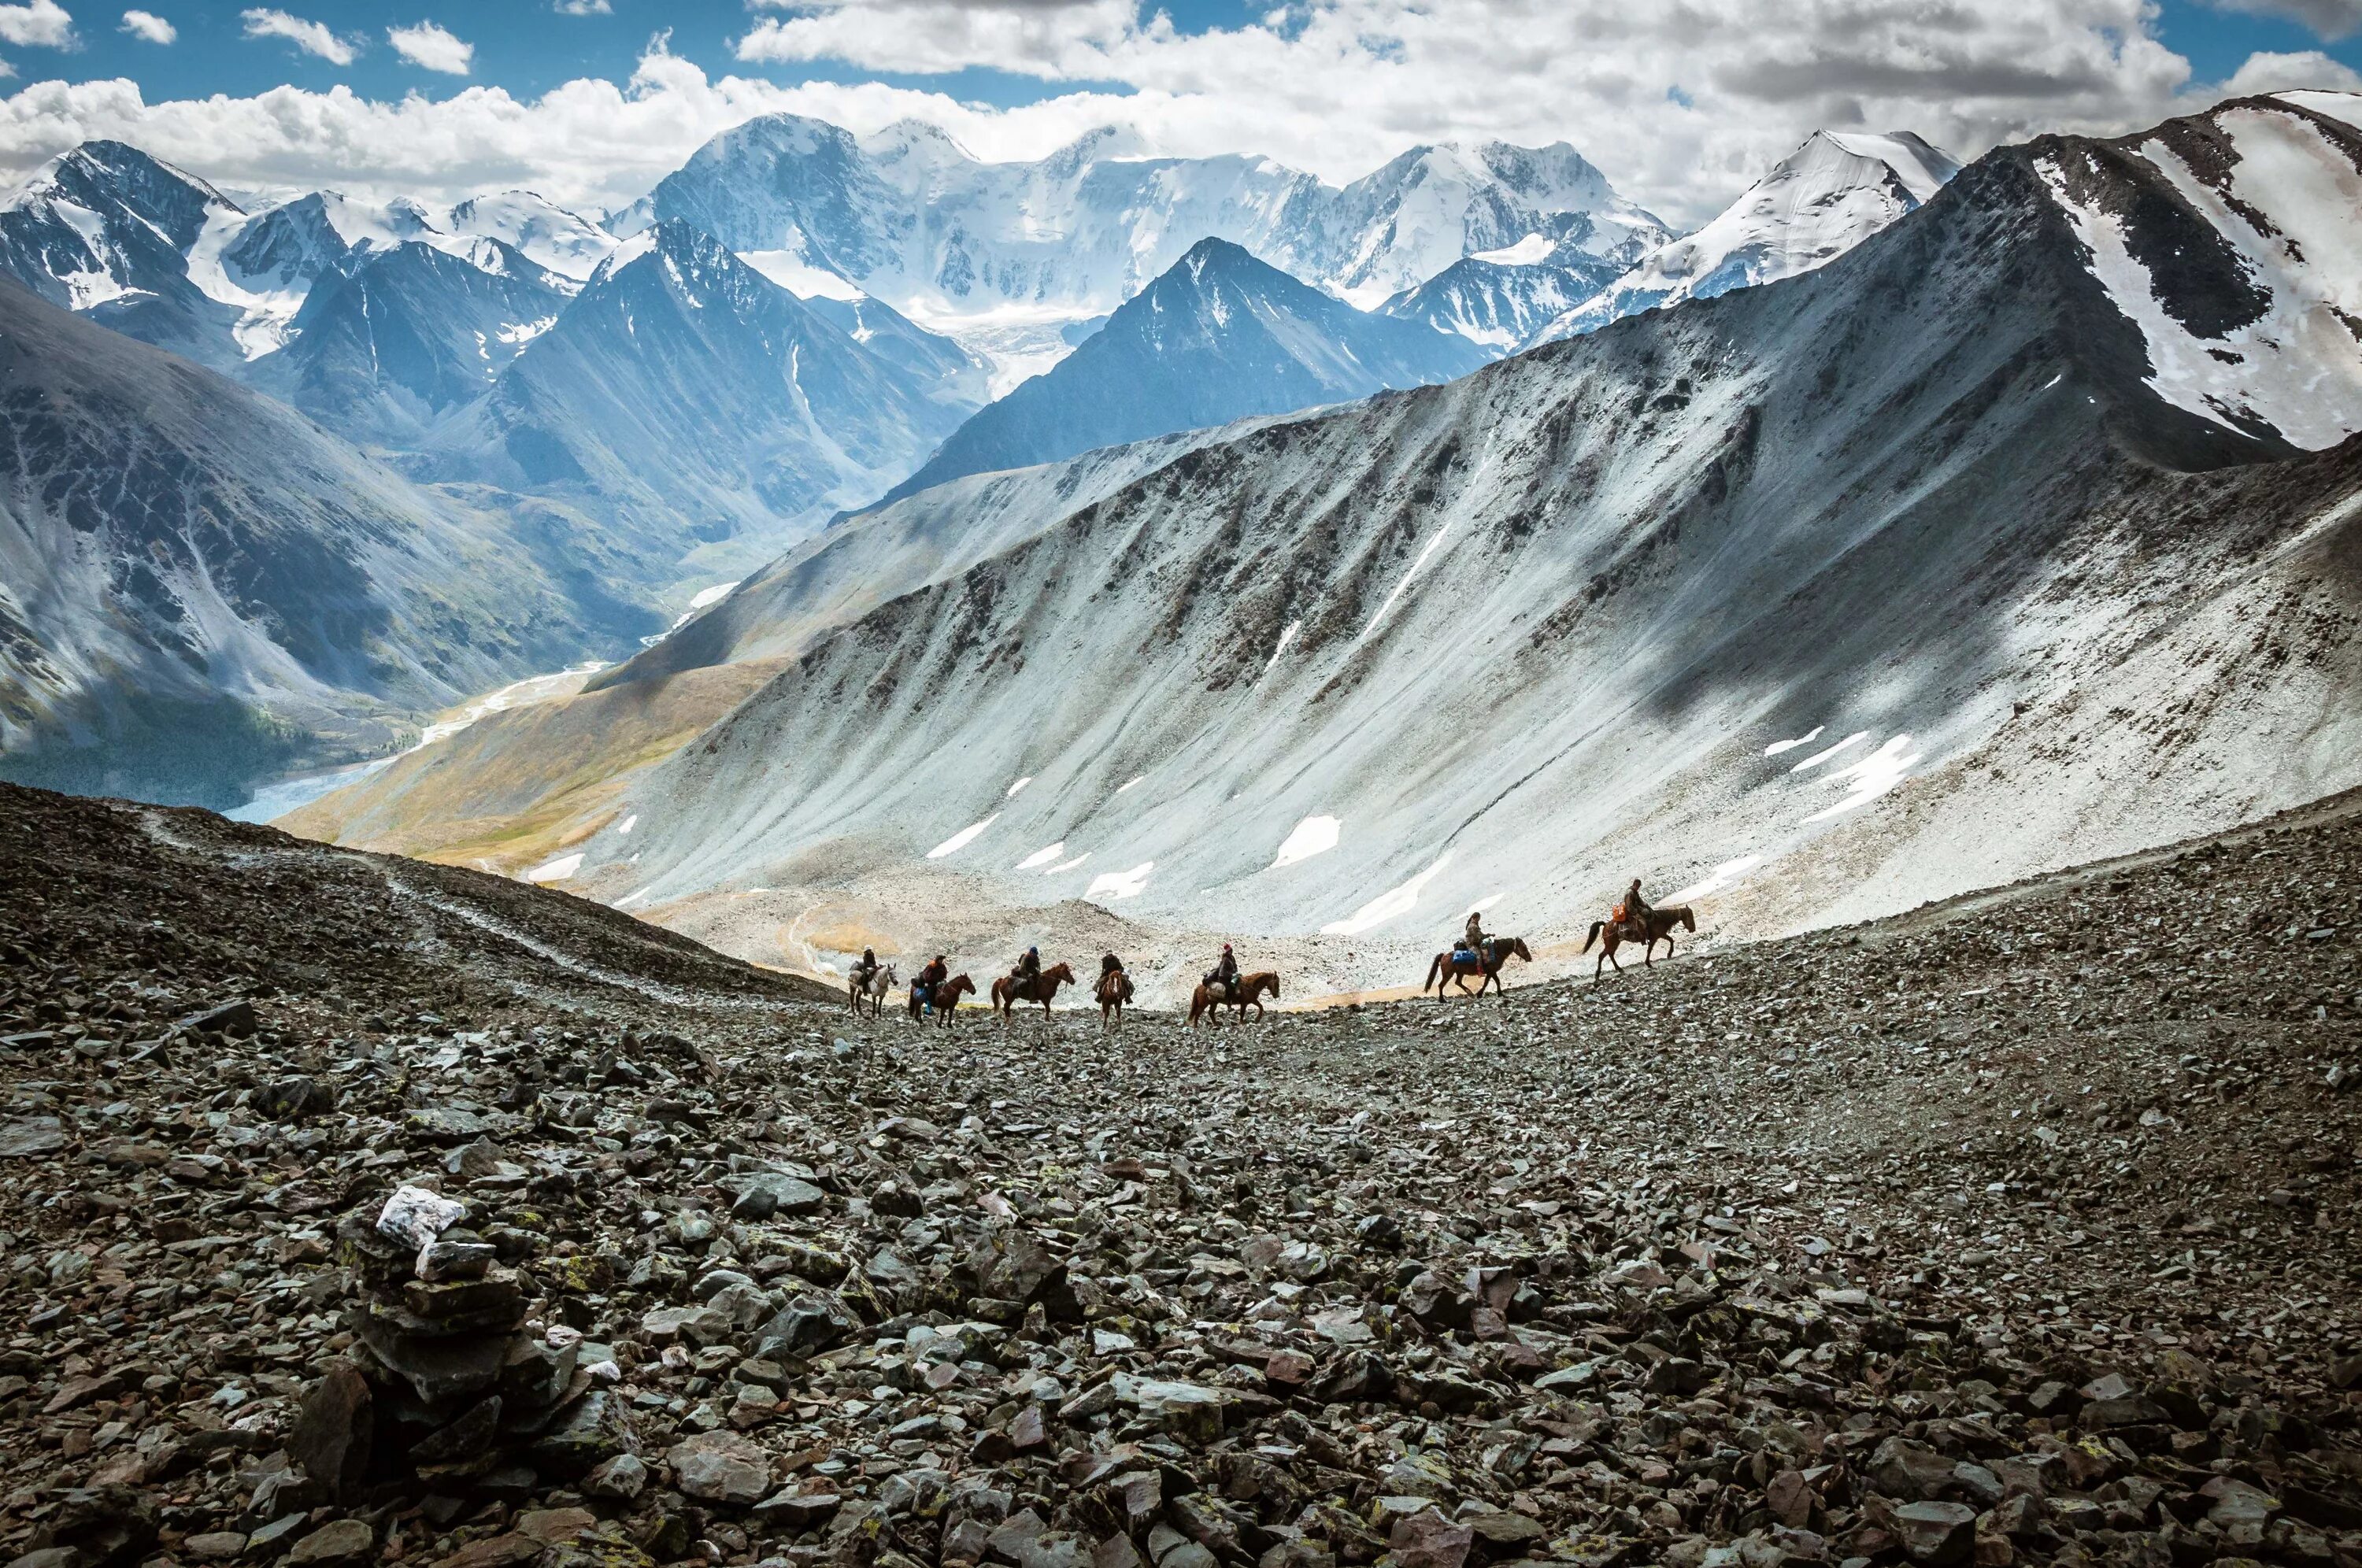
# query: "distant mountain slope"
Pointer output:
{"type": "Point", "coordinates": [693, 402]}
{"type": "Point", "coordinates": [519, 783]}
{"type": "Point", "coordinates": [1797, 609]}
{"type": "Point", "coordinates": [1220, 336]}
{"type": "Point", "coordinates": [400, 334]}
{"type": "Point", "coordinates": [1816, 205]}
{"type": "Point", "coordinates": [197, 587]}
{"type": "Point", "coordinates": [1499, 298]}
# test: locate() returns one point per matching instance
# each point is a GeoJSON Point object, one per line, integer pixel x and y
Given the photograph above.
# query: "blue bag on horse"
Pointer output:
{"type": "Point", "coordinates": [1467, 961]}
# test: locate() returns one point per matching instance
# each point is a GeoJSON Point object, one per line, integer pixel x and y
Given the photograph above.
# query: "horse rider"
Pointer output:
{"type": "Point", "coordinates": [1109, 965]}
{"type": "Point", "coordinates": [1028, 970]}
{"type": "Point", "coordinates": [1634, 911]}
{"type": "Point", "coordinates": [933, 975]}
{"type": "Point", "coordinates": [865, 969]}
{"type": "Point", "coordinates": [1224, 975]}
{"type": "Point", "coordinates": [1473, 936]}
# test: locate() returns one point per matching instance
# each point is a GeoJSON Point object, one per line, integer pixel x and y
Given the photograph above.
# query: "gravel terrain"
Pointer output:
{"type": "Point", "coordinates": [358, 1211]}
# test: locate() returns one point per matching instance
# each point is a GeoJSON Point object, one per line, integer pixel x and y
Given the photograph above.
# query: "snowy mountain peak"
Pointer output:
{"type": "Point", "coordinates": [562, 241]}
{"type": "Point", "coordinates": [1817, 204]}
{"type": "Point", "coordinates": [911, 218]}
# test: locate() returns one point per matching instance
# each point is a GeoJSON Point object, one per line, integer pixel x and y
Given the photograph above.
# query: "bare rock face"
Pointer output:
{"type": "Point", "coordinates": [1920, 1243]}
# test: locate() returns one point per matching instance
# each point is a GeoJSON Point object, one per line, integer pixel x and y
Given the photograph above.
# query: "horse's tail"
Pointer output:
{"type": "Point", "coordinates": [1434, 966]}
{"type": "Point", "coordinates": [1588, 940]}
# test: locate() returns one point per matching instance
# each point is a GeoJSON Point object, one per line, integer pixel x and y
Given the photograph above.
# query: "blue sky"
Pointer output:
{"type": "Point", "coordinates": [1681, 107]}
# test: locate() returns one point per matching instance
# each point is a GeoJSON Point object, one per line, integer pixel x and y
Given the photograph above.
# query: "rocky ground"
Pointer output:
{"type": "Point", "coordinates": [357, 1210]}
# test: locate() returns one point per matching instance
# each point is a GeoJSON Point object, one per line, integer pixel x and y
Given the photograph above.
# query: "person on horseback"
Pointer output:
{"type": "Point", "coordinates": [863, 971]}
{"type": "Point", "coordinates": [1634, 911]}
{"type": "Point", "coordinates": [1109, 965]}
{"type": "Point", "coordinates": [933, 975]}
{"type": "Point", "coordinates": [1028, 970]}
{"type": "Point", "coordinates": [1472, 936]}
{"type": "Point", "coordinates": [1224, 974]}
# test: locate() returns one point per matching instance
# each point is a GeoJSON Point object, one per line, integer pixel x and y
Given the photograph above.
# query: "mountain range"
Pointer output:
{"type": "Point", "coordinates": [1802, 610]}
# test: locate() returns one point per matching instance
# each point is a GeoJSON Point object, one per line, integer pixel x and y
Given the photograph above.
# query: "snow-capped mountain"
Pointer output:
{"type": "Point", "coordinates": [911, 218]}
{"type": "Point", "coordinates": [692, 400]}
{"type": "Point", "coordinates": [159, 255]}
{"type": "Point", "coordinates": [197, 587]}
{"type": "Point", "coordinates": [1801, 610]}
{"type": "Point", "coordinates": [399, 335]}
{"type": "Point", "coordinates": [1220, 336]}
{"type": "Point", "coordinates": [1816, 205]}
{"type": "Point", "coordinates": [1499, 298]}
{"type": "Point", "coordinates": [545, 233]}
{"type": "Point", "coordinates": [106, 230]}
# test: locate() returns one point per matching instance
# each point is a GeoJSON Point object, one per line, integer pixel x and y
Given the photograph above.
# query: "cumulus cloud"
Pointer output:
{"type": "Point", "coordinates": [1680, 114]}
{"type": "Point", "coordinates": [43, 22]}
{"type": "Point", "coordinates": [149, 25]}
{"type": "Point", "coordinates": [432, 48]}
{"type": "Point", "coordinates": [2328, 19]}
{"type": "Point", "coordinates": [312, 38]}
{"type": "Point", "coordinates": [2278, 73]}
{"type": "Point", "coordinates": [582, 7]}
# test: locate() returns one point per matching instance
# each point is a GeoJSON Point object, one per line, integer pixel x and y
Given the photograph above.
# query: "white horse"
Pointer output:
{"type": "Point", "coordinates": [881, 980]}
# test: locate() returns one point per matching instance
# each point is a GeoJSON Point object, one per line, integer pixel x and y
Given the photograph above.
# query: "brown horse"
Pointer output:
{"type": "Point", "coordinates": [1656, 926]}
{"type": "Point", "coordinates": [1498, 951]}
{"type": "Point", "coordinates": [1007, 993]}
{"type": "Point", "coordinates": [1114, 990]}
{"type": "Point", "coordinates": [944, 999]}
{"type": "Point", "coordinates": [1246, 991]}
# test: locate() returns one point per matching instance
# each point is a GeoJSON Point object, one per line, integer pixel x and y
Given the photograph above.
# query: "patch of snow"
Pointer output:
{"type": "Point", "coordinates": [1416, 567]}
{"type": "Point", "coordinates": [1524, 253]}
{"type": "Point", "coordinates": [1391, 904]}
{"type": "Point", "coordinates": [1278, 648]}
{"type": "Point", "coordinates": [800, 278]}
{"type": "Point", "coordinates": [1313, 836]}
{"type": "Point", "coordinates": [1820, 756]}
{"type": "Point", "coordinates": [556, 870]}
{"type": "Point", "coordinates": [526, 331]}
{"type": "Point", "coordinates": [634, 897]}
{"type": "Point", "coordinates": [1067, 864]}
{"type": "Point", "coordinates": [712, 595]}
{"type": "Point", "coordinates": [1871, 777]}
{"type": "Point", "coordinates": [1120, 884]}
{"type": "Point", "coordinates": [1480, 905]}
{"type": "Point", "coordinates": [624, 828]}
{"type": "Point", "coordinates": [1729, 874]}
{"type": "Point", "coordinates": [1019, 785]}
{"type": "Point", "coordinates": [1128, 783]}
{"type": "Point", "coordinates": [1776, 747]}
{"type": "Point", "coordinates": [1042, 856]}
{"type": "Point", "coordinates": [961, 839]}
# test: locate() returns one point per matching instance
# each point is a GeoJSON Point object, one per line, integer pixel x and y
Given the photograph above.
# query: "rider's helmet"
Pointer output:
{"type": "Point", "coordinates": [1033, 952]}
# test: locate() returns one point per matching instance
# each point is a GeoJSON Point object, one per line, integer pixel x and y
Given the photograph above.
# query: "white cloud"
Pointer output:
{"type": "Point", "coordinates": [432, 48]}
{"type": "Point", "coordinates": [312, 38]}
{"type": "Point", "coordinates": [1336, 88]}
{"type": "Point", "coordinates": [43, 22]}
{"type": "Point", "coordinates": [2278, 73]}
{"type": "Point", "coordinates": [2329, 18]}
{"type": "Point", "coordinates": [582, 7]}
{"type": "Point", "coordinates": [149, 25]}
